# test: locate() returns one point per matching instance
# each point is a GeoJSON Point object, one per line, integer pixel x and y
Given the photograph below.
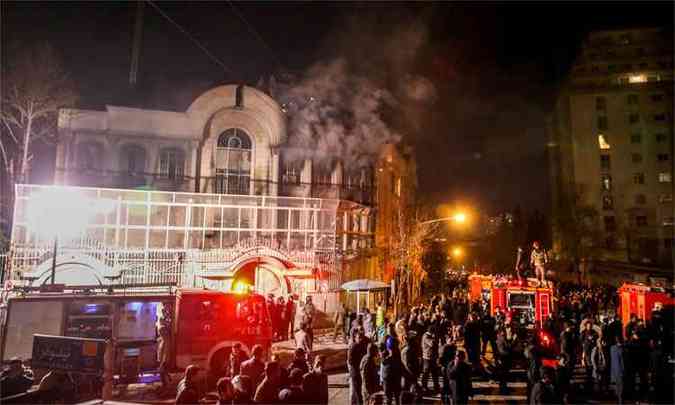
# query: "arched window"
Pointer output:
{"type": "Point", "coordinates": [132, 160]}
{"type": "Point", "coordinates": [90, 156]}
{"type": "Point", "coordinates": [171, 163]}
{"type": "Point", "coordinates": [233, 162]}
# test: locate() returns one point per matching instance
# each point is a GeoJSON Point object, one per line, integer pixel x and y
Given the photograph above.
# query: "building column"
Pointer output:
{"type": "Point", "coordinates": [62, 158]}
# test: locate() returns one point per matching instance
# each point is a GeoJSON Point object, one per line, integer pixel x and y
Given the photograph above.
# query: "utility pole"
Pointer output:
{"type": "Point", "coordinates": [136, 45]}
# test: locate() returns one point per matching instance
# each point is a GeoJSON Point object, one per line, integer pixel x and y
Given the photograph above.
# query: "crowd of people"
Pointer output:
{"type": "Point", "coordinates": [446, 340]}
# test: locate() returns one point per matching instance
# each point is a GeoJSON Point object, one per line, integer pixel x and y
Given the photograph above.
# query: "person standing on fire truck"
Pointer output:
{"type": "Point", "coordinates": [538, 260]}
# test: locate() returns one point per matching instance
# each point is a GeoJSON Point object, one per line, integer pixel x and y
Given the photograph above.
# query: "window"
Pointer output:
{"type": "Point", "coordinates": [636, 158]}
{"type": "Point", "coordinates": [665, 198]}
{"type": "Point", "coordinates": [233, 162]}
{"type": "Point", "coordinates": [610, 224]}
{"type": "Point", "coordinates": [607, 202]}
{"type": "Point", "coordinates": [636, 138]}
{"type": "Point", "coordinates": [602, 142]}
{"type": "Point", "coordinates": [600, 103]}
{"type": "Point", "coordinates": [634, 118]}
{"type": "Point", "coordinates": [602, 123]}
{"type": "Point", "coordinates": [637, 79]}
{"type": "Point", "coordinates": [171, 163]}
{"type": "Point", "coordinates": [668, 221]}
{"type": "Point", "coordinates": [640, 199]}
{"type": "Point", "coordinates": [639, 178]}
{"type": "Point", "coordinates": [660, 117]}
{"type": "Point", "coordinates": [660, 137]}
{"type": "Point", "coordinates": [607, 182]}
{"type": "Point", "coordinates": [605, 163]}
{"type": "Point", "coordinates": [657, 97]}
{"type": "Point", "coordinates": [90, 156]}
{"type": "Point", "coordinates": [641, 220]}
{"type": "Point", "coordinates": [632, 99]}
{"type": "Point", "coordinates": [665, 177]}
{"type": "Point", "coordinates": [132, 160]}
{"type": "Point", "coordinates": [663, 157]}
{"type": "Point", "coordinates": [611, 68]}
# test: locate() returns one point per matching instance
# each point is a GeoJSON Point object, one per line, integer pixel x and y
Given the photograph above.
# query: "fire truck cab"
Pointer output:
{"type": "Point", "coordinates": [203, 325]}
{"type": "Point", "coordinates": [526, 301]}
{"type": "Point", "coordinates": [641, 300]}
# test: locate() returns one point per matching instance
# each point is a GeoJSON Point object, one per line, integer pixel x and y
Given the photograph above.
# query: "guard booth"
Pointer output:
{"type": "Point", "coordinates": [641, 300]}
{"type": "Point", "coordinates": [527, 302]}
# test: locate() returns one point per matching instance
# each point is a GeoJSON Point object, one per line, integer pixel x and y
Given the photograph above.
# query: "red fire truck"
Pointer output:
{"type": "Point", "coordinates": [204, 325]}
{"type": "Point", "coordinates": [641, 300]}
{"type": "Point", "coordinates": [526, 301]}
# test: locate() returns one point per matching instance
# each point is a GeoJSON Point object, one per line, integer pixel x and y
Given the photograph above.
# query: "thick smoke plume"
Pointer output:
{"type": "Point", "coordinates": [350, 104]}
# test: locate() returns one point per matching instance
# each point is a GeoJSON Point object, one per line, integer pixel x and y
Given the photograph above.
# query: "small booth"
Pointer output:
{"type": "Point", "coordinates": [364, 287]}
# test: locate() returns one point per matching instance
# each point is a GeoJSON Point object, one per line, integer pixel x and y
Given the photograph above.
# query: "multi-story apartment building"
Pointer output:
{"type": "Point", "coordinates": [208, 197]}
{"type": "Point", "coordinates": [611, 144]}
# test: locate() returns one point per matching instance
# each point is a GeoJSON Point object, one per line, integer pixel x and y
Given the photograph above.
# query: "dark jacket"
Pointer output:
{"type": "Point", "coordinates": [447, 354]}
{"type": "Point", "coordinates": [186, 393]}
{"type": "Point", "coordinates": [355, 354]}
{"type": "Point", "coordinates": [234, 363]}
{"type": "Point", "coordinates": [299, 364]}
{"type": "Point", "coordinates": [315, 387]}
{"type": "Point", "coordinates": [410, 360]}
{"type": "Point", "coordinates": [543, 394]}
{"type": "Point", "coordinates": [461, 389]}
{"type": "Point", "coordinates": [534, 363]}
{"type": "Point", "coordinates": [369, 375]}
{"type": "Point", "coordinates": [390, 373]}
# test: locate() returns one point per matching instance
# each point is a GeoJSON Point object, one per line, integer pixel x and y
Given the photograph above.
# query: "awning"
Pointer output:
{"type": "Point", "coordinates": [364, 285]}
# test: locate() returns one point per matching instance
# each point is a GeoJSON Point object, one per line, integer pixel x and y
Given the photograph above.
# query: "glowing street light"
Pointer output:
{"type": "Point", "coordinates": [61, 213]}
{"type": "Point", "coordinates": [457, 252]}
{"type": "Point", "coordinates": [459, 217]}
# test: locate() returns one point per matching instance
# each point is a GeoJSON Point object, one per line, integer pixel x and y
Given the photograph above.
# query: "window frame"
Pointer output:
{"type": "Point", "coordinates": [233, 143]}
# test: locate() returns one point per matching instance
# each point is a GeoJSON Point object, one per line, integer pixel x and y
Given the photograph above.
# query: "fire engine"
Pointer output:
{"type": "Point", "coordinates": [204, 325]}
{"type": "Point", "coordinates": [526, 301]}
{"type": "Point", "coordinates": [641, 300]}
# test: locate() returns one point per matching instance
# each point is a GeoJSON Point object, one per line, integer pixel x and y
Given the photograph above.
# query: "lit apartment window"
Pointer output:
{"type": "Point", "coordinates": [661, 137]}
{"type": "Point", "coordinates": [668, 221]}
{"type": "Point", "coordinates": [602, 123]}
{"type": "Point", "coordinates": [665, 198]}
{"type": "Point", "coordinates": [665, 177]}
{"type": "Point", "coordinates": [635, 138]}
{"type": "Point", "coordinates": [639, 178]}
{"type": "Point", "coordinates": [632, 99]}
{"type": "Point", "coordinates": [663, 157]}
{"type": "Point", "coordinates": [605, 162]}
{"type": "Point", "coordinates": [602, 142]}
{"type": "Point", "coordinates": [634, 118]}
{"type": "Point", "coordinates": [657, 97]}
{"type": "Point", "coordinates": [637, 79]}
{"type": "Point", "coordinates": [660, 117]}
{"type": "Point", "coordinates": [606, 182]}
{"type": "Point", "coordinates": [636, 158]}
{"type": "Point", "coordinates": [607, 202]}
{"type": "Point", "coordinates": [600, 103]}
{"type": "Point", "coordinates": [640, 199]}
{"type": "Point", "coordinates": [610, 224]}
{"type": "Point", "coordinates": [641, 220]}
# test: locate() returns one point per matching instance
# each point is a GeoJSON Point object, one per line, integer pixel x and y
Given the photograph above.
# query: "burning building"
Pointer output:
{"type": "Point", "coordinates": [215, 197]}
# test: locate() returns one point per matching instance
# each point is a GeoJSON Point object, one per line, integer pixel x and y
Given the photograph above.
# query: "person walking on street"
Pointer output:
{"type": "Point", "coordinates": [459, 376]}
{"type": "Point", "coordinates": [308, 313]}
{"type": "Point", "coordinates": [544, 392]}
{"type": "Point", "coordinates": [339, 322]}
{"type": "Point", "coordinates": [430, 358]}
{"type": "Point", "coordinates": [369, 373]}
{"type": "Point", "coordinates": [617, 372]}
{"type": "Point", "coordinates": [357, 349]}
{"type": "Point", "coordinates": [390, 375]}
{"type": "Point", "coordinates": [447, 354]}
{"type": "Point", "coordinates": [303, 340]}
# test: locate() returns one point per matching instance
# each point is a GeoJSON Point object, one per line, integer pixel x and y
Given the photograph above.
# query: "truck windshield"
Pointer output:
{"type": "Point", "coordinates": [521, 300]}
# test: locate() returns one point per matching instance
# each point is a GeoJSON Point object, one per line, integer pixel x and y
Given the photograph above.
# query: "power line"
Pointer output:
{"type": "Point", "coordinates": [193, 39]}
{"type": "Point", "coordinates": [253, 31]}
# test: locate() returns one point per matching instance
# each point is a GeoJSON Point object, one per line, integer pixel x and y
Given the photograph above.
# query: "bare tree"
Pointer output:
{"type": "Point", "coordinates": [35, 86]}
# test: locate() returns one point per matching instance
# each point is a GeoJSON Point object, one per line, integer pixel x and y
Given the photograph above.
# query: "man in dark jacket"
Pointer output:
{"type": "Point", "coordinates": [237, 356]}
{"type": "Point", "coordinates": [390, 375]}
{"type": "Point", "coordinates": [472, 341]}
{"type": "Point", "coordinates": [299, 361]}
{"type": "Point", "coordinates": [315, 382]}
{"type": "Point", "coordinates": [543, 392]}
{"type": "Point", "coordinates": [488, 333]}
{"type": "Point", "coordinates": [187, 391]}
{"type": "Point", "coordinates": [254, 367]}
{"type": "Point", "coordinates": [369, 373]}
{"type": "Point", "coordinates": [355, 353]}
{"type": "Point", "coordinates": [569, 344]}
{"type": "Point", "coordinates": [410, 363]}
{"type": "Point", "coordinates": [430, 358]}
{"type": "Point", "coordinates": [459, 376]}
{"type": "Point", "coordinates": [503, 361]}
{"type": "Point", "coordinates": [533, 356]}
{"type": "Point", "coordinates": [447, 354]}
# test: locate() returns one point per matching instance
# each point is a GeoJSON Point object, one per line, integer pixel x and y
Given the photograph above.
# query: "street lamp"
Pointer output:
{"type": "Point", "coordinates": [60, 213]}
{"type": "Point", "coordinates": [457, 252]}
{"type": "Point", "coordinates": [459, 217]}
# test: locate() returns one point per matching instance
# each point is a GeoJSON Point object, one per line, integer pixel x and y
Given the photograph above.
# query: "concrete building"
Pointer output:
{"type": "Point", "coordinates": [611, 149]}
{"type": "Point", "coordinates": [206, 197]}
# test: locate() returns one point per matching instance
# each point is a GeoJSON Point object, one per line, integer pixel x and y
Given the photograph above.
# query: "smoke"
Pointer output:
{"type": "Point", "coordinates": [351, 103]}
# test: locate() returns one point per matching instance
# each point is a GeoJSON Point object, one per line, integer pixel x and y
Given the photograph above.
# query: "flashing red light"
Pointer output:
{"type": "Point", "coordinates": [544, 338]}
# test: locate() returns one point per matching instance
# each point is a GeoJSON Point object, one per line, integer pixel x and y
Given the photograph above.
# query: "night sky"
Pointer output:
{"type": "Point", "coordinates": [494, 69]}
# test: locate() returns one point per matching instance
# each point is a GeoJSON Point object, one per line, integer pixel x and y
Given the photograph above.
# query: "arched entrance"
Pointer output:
{"type": "Point", "coordinates": [264, 274]}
